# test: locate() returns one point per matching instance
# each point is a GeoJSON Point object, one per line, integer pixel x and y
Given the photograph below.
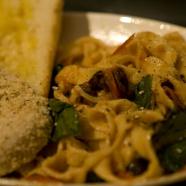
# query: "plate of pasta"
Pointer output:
{"type": "Point", "coordinates": [118, 104]}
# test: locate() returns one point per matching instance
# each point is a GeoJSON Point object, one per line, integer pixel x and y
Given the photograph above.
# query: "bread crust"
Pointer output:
{"type": "Point", "coordinates": [29, 39]}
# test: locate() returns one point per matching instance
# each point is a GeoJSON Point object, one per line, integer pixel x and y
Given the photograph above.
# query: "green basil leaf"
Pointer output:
{"type": "Point", "coordinates": [143, 92]}
{"type": "Point", "coordinates": [66, 120]}
{"type": "Point", "coordinates": [67, 124]}
{"type": "Point", "coordinates": [173, 157]}
{"type": "Point", "coordinates": [170, 142]}
{"type": "Point", "coordinates": [57, 105]}
{"type": "Point", "coordinates": [172, 130]}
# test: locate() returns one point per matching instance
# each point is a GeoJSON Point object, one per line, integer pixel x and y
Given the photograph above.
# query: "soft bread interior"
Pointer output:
{"type": "Point", "coordinates": [29, 31]}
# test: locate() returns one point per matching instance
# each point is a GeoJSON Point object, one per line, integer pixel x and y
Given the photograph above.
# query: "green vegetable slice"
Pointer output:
{"type": "Point", "coordinates": [143, 92]}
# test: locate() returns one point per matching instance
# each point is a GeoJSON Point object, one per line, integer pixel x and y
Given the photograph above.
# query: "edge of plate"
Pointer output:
{"type": "Point", "coordinates": [148, 20]}
{"type": "Point", "coordinates": [99, 25]}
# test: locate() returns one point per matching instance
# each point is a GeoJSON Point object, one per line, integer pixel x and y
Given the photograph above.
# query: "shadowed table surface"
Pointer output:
{"type": "Point", "coordinates": [172, 11]}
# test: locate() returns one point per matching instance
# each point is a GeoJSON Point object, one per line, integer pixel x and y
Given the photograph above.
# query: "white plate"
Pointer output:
{"type": "Point", "coordinates": [113, 30]}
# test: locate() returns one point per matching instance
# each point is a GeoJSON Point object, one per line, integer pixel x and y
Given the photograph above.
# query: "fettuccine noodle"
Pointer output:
{"type": "Point", "coordinates": [115, 130]}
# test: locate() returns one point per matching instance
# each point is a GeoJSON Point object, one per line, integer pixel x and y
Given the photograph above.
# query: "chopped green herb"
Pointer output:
{"type": "Point", "coordinates": [170, 142]}
{"type": "Point", "coordinates": [143, 92]}
{"type": "Point", "coordinates": [173, 157]}
{"type": "Point", "coordinates": [172, 130]}
{"type": "Point", "coordinates": [65, 118]}
{"type": "Point", "coordinates": [58, 106]}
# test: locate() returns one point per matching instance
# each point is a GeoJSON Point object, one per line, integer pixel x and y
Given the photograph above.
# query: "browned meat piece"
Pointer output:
{"type": "Point", "coordinates": [112, 80]}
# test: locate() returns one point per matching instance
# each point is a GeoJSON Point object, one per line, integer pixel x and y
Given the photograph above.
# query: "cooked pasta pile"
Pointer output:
{"type": "Point", "coordinates": [122, 96]}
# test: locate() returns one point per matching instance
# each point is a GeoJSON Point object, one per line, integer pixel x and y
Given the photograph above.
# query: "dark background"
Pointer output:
{"type": "Point", "coordinates": [172, 11]}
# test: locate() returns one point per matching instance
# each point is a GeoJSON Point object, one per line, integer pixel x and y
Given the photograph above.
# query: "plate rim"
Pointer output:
{"type": "Point", "coordinates": [107, 14]}
{"type": "Point", "coordinates": [113, 29]}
